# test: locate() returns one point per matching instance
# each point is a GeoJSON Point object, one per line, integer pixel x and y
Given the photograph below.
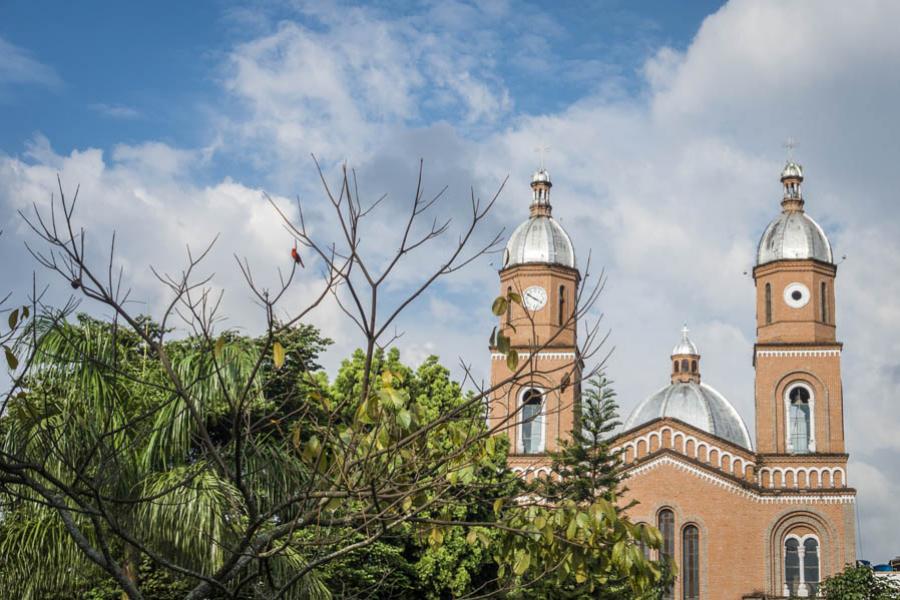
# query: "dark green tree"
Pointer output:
{"type": "Point", "coordinates": [585, 466]}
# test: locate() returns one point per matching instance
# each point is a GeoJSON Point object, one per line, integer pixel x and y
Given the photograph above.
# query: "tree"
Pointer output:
{"type": "Point", "coordinates": [588, 472]}
{"type": "Point", "coordinates": [859, 583]}
{"type": "Point", "coordinates": [585, 465]}
{"type": "Point", "coordinates": [228, 463]}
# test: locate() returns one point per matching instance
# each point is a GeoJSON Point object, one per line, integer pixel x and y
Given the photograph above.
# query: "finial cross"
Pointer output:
{"type": "Point", "coordinates": [790, 144]}
{"type": "Point", "coordinates": [541, 150]}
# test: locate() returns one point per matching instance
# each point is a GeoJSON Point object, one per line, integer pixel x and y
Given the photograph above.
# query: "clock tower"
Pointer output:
{"type": "Point", "coordinates": [536, 404]}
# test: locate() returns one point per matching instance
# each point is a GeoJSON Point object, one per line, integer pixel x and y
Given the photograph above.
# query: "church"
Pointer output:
{"type": "Point", "coordinates": [741, 518]}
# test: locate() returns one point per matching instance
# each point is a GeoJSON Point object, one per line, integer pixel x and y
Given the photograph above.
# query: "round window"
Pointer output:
{"type": "Point", "coordinates": [796, 295]}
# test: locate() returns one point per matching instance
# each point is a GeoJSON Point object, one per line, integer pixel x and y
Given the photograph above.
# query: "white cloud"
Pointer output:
{"type": "Point", "coordinates": [115, 111]}
{"type": "Point", "coordinates": [17, 67]}
{"type": "Point", "coordinates": [668, 190]}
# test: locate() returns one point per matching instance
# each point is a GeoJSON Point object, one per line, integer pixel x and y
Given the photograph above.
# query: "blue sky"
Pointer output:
{"type": "Point", "coordinates": [666, 122]}
{"type": "Point", "coordinates": [124, 73]}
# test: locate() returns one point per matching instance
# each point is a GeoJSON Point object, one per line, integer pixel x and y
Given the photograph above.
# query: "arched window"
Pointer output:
{"type": "Point", "coordinates": [508, 307]}
{"type": "Point", "coordinates": [791, 566]}
{"type": "Point", "coordinates": [823, 295]}
{"type": "Point", "coordinates": [666, 526]}
{"type": "Point", "coordinates": [684, 365]}
{"type": "Point", "coordinates": [811, 565]}
{"type": "Point", "coordinates": [532, 422]}
{"type": "Point", "coordinates": [562, 305]}
{"type": "Point", "coordinates": [801, 566]}
{"type": "Point", "coordinates": [768, 303]}
{"type": "Point", "coordinates": [693, 366]}
{"type": "Point", "coordinates": [690, 563]}
{"type": "Point", "coordinates": [799, 421]}
{"type": "Point", "coordinates": [676, 366]}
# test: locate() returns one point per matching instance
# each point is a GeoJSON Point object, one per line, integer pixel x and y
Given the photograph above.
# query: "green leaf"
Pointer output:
{"type": "Point", "coordinates": [571, 530]}
{"type": "Point", "coordinates": [25, 312]}
{"type": "Point", "coordinates": [514, 297]}
{"type": "Point", "coordinates": [498, 505]}
{"type": "Point", "coordinates": [407, 503]}
{"type": "Point", "coordinates": [14, 318]}
{"type": "Point", "coordinates": [512, 360]}
{"type": "Point", "coordinates": [312, 448]}
{"type": "Point", "coordinates": [523, 561]}
{"type": "Point", "coordinates": [502, 343]}
{"type": "Point", "coordinates": [472, 537]}
{"type": "Point", "coordinates": [11, 359]}
{"type": "Point", "coordinates": [436, 537]}
{"type": "Point", "coordinates": [296, 437]}
{"type": "Point", "coordinates": [493, 339]}
{"type": "Point", "coordinates": [404, 418]}
{"type": "Point", "coordinates": [499, 306]}
{"type": "Point", "coordinates": [278, 355]}
{"type": "Point", "coordinates": [219, 347]}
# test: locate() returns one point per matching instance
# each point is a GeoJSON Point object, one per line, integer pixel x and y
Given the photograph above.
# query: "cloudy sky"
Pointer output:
{"type": "Point", "coordinates": [665, 127]}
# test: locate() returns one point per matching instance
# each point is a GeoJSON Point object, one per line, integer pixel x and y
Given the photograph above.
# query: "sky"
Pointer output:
{"type": "Point", "coordinates": [665, 121]}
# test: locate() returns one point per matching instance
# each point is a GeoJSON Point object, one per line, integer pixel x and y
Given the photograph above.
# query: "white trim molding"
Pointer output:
{"type": "Point", "coordinates": [722, 482]}
{"type": "Point", "coordinates": [799, 352]}
{"type": "Point", "coordinates": [540, 355]}
{"type": "Point", "coordinates": [737, 464]}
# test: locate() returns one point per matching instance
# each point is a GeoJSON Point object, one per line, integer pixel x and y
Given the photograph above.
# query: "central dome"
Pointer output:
{"type": "Point", "coordinates": [696, 404]}
{"type": "Point", "coordinates": [690, 401]}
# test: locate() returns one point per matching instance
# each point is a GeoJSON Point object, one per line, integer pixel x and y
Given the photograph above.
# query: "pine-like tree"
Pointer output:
{"type": "Point", "coordinates": [585, 466]}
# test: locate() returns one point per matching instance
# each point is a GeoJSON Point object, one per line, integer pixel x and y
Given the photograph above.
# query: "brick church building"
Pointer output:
{"type": "Point", "coordinates": [741, 518]}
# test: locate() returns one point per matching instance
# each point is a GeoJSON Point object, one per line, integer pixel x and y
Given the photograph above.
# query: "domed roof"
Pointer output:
{"type": "Point", "coordinates": [696, 404]}
{"type": "Point", "coordinates": [540, 239]}
{"type": "Point", "coordinates": [685, 346]}
{"type": "Point", "coordinates": [541, 175]}
{"type": "Point", "coordinates": [792, 169]}
{"type": "Point", "coordinates": [793, 235]}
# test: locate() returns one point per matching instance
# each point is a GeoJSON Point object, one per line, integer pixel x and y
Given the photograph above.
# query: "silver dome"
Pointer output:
{"type": "Point", "coordinates": [540, 239]}
{"type": "Point", "coordinates": [541, 175]}
{"type": "Point", "coordinates": [696, 404]}
{"type": "Point", "coordinates": [792, 169]}
{"type": "Point", "coordinates": [793, 235]}
{"type": "Point", "coordinates": [685, 346]}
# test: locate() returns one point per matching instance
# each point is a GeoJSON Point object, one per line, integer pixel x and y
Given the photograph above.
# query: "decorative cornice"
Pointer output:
{"type": "Point", "coordinates": [540, 355]}
{"type": "Point", "coordinates": [781, 496]}
{"type": "Point", "coordinates": [799, 352]}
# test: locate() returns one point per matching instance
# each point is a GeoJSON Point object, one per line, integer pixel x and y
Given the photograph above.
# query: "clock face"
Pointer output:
{"type": "Point", "coordinates": [534, 298]}
{"type": "Point", "coordinates": [796, 295]}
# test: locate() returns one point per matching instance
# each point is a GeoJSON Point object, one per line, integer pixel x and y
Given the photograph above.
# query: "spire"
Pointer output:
{"type": "Point", "coordinates": [540, 185]}
{"type": "Point", "coordinates": [791, 178]}
{"type": "Point", "coordinates": [685, 359]}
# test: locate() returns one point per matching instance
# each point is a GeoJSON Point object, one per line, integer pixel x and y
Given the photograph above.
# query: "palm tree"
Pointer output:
{"type": "Point", "coordinates": [119, 469]}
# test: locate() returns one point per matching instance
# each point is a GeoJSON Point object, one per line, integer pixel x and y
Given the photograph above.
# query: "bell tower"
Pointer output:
{"type": "Point", "coordinates": [799, 403]}
{"type": "Point", "coordinates": [536, 404]}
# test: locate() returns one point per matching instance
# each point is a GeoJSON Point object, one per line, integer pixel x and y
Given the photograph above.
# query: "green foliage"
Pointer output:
{"type": "Point", "coordinates": [386, 475]}
{"type": "Point", "coordinates": [859, 583]}
{"type": "Point", "coordinates": [585, 491]}
{"type": "Point", "coordinates": [585, 464]}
